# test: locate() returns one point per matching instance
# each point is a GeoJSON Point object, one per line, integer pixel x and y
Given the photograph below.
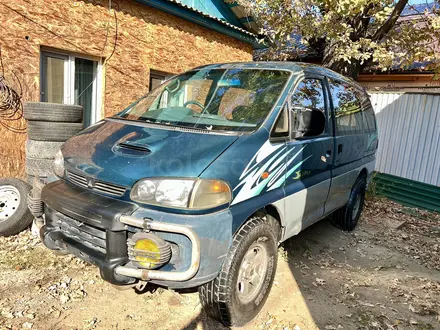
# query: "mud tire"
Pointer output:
{"type": "Point", "coordinates": [345, 218]}
{"type": "Point", "coordinates": [219, 297]}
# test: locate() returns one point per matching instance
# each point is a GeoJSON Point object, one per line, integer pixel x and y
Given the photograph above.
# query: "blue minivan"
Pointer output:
{"type": "Point", "coordinates": [196, 183]}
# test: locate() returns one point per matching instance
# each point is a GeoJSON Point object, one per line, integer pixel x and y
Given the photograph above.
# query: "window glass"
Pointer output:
{"type": "Point", "coordinates": [309, 94]}
{"type": "Point", "coordinates": [57, 69]}
{"type": "Point", "coordinates": [214, 99]}
{"type": "Point", "coordinates": [282, 125]}
{"type": "Point", "coordinates": [85, 73]}
{"type": "Point", "coordinates": [157, 78]}
{"type": "Point", "coordinates": [368, 113]}
{"type": "Point", "coordinates": [347, 106]}
{"type": "Point", "coordinates": [54, 79]}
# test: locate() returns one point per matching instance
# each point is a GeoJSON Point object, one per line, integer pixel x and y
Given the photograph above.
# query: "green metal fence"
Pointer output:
{"type": "Point", "coordinates": [408, 192]}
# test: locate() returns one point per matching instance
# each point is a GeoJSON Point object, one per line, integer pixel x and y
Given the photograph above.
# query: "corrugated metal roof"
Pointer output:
{"type": "Point", "coordinates": [212, 17]}
{"type": "Point", "coordinates": [244, 16]}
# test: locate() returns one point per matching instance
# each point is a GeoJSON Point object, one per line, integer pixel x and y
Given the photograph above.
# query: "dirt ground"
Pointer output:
{"type": "Point", "coordinates": [383, 275]}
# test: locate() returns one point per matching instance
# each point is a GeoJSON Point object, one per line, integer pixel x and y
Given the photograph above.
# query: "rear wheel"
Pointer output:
{"type": "Point", "coordinates": [240, 290]}
{"type": "Point", "coordinates": [348, 216]}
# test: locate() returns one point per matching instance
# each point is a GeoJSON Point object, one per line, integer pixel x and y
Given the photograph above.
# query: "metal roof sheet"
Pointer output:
{"type": "Point", "coordinates": [232, 26]}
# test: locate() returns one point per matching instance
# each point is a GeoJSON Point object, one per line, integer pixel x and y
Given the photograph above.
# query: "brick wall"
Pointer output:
{"type": "Point", "coordinates": [146, 39]}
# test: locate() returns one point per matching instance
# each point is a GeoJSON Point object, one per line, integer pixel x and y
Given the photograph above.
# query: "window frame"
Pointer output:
{"type": "Point", "coordinates": [358, 95]}
{"type": "Point", "coordinates": [329, 124]}
{"type": "Point", "coordinates": [156, 74]}
{"type": "Point", "coordinates": [69, 79]}
{"type": "Point", "coordinates": [276, 137]}
{"type": "Point", "coordinates": [364, 109]}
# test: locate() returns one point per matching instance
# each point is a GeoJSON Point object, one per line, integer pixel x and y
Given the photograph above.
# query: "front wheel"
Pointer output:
{"type": "Point", "coordinates": [240, 290]}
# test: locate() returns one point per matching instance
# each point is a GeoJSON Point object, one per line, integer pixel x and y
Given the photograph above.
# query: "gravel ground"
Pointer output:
{"type": "Point", "coordinates": [383, 275]}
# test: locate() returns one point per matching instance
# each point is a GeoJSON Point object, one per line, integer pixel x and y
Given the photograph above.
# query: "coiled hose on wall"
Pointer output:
{"type": "Point", "coordinates": [11, 108]}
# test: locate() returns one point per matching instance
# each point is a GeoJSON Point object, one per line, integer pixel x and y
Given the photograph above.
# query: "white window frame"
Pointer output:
{"type": "Point", "coordinates": [69, 80]}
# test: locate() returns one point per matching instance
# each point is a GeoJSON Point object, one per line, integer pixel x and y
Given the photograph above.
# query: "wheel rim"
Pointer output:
{"type": "Point", "coordinates": [252, 272]}
{"type": "Point", "coordinates": [356, 207]}
{"type": "Point", "coordinates": [9, 201]}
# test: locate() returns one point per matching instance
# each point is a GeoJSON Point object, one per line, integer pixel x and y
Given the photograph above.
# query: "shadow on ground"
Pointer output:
{"type": "Point", "coordinates": [330, 279]}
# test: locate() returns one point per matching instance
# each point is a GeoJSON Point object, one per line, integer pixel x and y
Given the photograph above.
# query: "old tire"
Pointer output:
{"type": "Point", "coordinates": [46, 131]}
{"type": "Point", "coordinates": [53, 112]}
{"type": "Point", "coordinates": [230, 298]}
{"type": "Point", "coordinates": [14, 213]}
{"type": "Point", "coordinates": [39, 167]}
{"type": "Point", "coordinates": [348, 216]}
{"type": "Point", "coordinates": [42, 149]}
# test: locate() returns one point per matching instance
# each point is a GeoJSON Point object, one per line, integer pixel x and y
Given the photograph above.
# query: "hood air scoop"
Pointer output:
{"type": "Point", "coordinates": [131, 149]}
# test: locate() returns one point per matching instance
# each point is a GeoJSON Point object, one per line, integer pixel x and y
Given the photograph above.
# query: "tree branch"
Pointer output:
{"type": "Point", "coordinates": [388, 25]}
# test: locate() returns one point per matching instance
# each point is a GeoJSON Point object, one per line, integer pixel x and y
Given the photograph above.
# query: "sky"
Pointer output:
{"type": "Point", "coordinates": [415, 2]}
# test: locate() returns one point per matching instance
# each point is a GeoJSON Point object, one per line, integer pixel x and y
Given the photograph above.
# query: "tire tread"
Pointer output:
{"type": "Point", "coordinates": [46, 131]}
{"type": "Point", "coordinates": [214, 295]}
{"type": "Point", "coordinates": [52, 112]}
{"type": "Point", "coordinates": [342, 217]}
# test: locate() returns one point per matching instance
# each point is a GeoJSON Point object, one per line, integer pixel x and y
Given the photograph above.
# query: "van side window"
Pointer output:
{"type": "Point", "coordinates": [309, 94]}
{"type": "Point", "coordinates": [368, 112]}
{"type": "Point", "coordinates": [347, 107]}
{"type": "Point", "coordinates": [281, 128]}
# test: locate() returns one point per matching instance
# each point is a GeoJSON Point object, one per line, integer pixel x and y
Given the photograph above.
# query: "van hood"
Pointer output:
{"type": "Point", "coordinates": [122, 152]}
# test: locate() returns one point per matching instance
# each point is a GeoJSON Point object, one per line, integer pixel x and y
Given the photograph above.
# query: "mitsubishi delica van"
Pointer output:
{"type": "Point", "coordinates": [196, 183]}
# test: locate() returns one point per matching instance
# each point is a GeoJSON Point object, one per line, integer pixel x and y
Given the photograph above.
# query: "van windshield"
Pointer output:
{"type": "Point", "coordinates": [213, 99]}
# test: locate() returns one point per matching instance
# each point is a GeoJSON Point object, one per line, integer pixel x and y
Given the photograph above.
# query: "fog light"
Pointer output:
{"type": "Point", "coordinates": [147, 250]}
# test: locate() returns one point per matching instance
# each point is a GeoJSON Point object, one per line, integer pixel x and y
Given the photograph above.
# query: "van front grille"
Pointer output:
{"type": "Point", "coordinates": [84, 233]}
{"type": "Point", "coordinates": [108, 188]}
{"type": "Point", "coordinates": [103, 187]}
{"type": "Point", "coordinates": [77, 179]}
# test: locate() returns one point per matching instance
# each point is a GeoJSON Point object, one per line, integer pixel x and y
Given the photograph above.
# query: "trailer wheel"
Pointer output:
{"type": "Point", "coordinates": [240, 290]}
{"type": "Point", "coordinates": [14, 213]}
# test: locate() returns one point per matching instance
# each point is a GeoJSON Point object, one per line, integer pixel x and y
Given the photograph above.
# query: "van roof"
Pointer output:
{"type": "Point", "coordinates": [285, 65]}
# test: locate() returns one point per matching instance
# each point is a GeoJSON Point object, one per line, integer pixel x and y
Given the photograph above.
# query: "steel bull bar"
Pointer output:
{"type": "Point", "coordinates": [147, 274]}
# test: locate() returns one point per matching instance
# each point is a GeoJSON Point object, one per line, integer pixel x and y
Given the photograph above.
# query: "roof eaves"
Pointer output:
{"type": "Point", "coordinates": [192, 14]}
{"type": "Point", "coordinates": [211, 17]}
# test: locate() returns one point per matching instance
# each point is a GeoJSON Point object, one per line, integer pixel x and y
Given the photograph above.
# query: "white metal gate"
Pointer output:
{"type": "Point", "coordinates": [409, 135]}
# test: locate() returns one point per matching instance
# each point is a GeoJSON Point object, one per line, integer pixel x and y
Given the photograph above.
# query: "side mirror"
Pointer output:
{"type": "Point", "coordinates": [307, 122]}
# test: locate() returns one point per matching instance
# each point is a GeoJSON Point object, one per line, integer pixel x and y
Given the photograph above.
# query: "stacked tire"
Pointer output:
{"type": "Point", "coordinates": [49, 126]}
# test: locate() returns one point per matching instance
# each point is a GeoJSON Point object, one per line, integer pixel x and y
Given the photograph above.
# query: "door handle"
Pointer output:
{"type": "Point", "coordinates": [339, 149]}
{"type": "Point", "coordinates": [328, 154]}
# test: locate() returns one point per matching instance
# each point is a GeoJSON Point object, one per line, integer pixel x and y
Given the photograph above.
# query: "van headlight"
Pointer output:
{"type": "Point", "coordinates": [58, 164]}
{"type": "Point", "coordinates": [197, 194]}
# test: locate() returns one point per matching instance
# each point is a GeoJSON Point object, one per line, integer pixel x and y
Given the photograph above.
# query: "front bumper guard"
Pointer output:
{"type": "Point", "coordinates": [147, 274]}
